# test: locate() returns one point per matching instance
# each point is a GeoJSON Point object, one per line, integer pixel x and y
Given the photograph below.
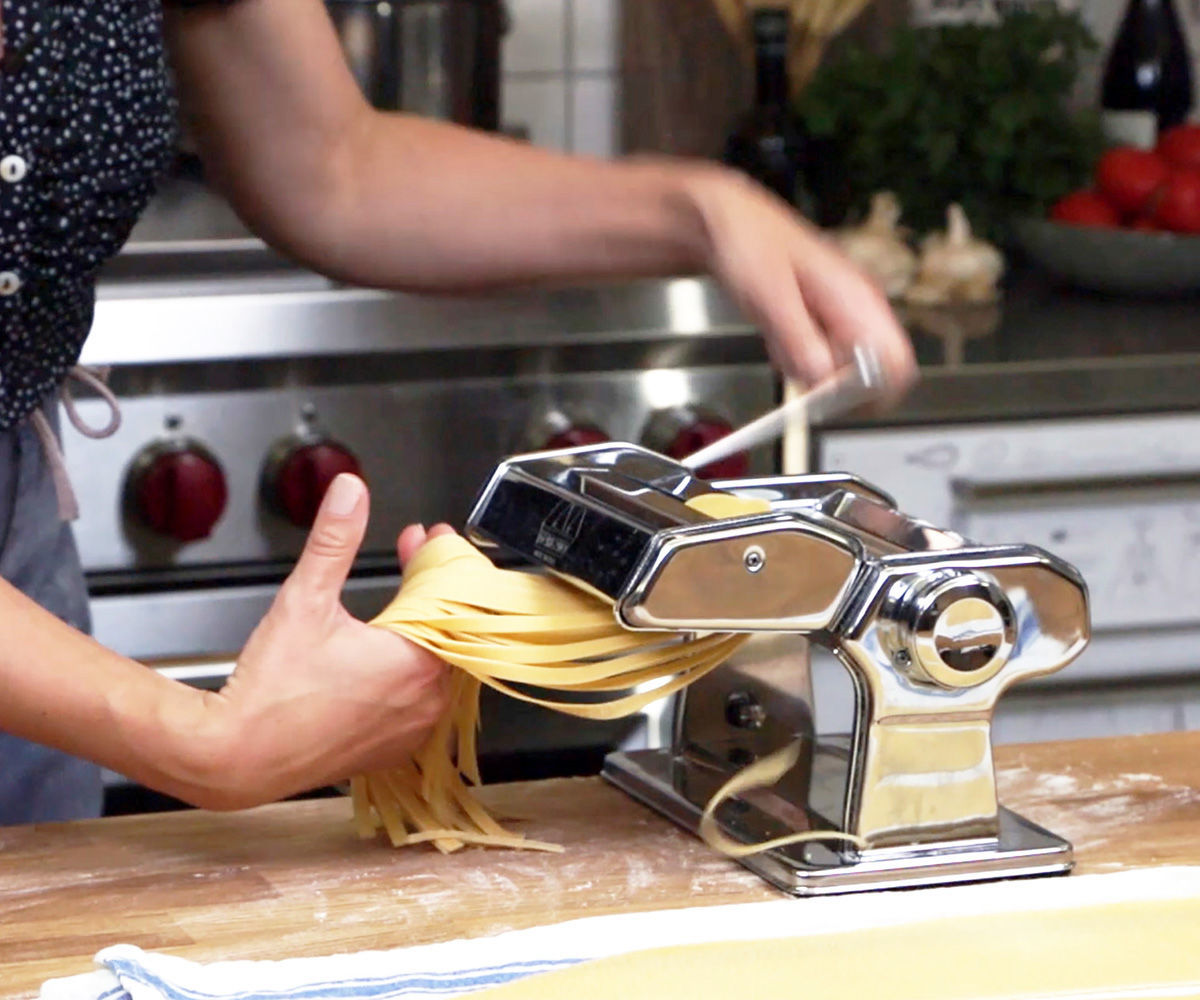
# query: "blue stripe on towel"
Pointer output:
{"type": "Point", "coordinates": [374, 988]}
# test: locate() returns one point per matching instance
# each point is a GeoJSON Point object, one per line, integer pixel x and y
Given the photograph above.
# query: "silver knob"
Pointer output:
{"type": "Point", "coordinates": [952, 628]}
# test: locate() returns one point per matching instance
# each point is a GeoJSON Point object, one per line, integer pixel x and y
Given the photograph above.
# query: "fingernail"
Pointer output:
{"type": "Point", "coordinates": [343, 495]}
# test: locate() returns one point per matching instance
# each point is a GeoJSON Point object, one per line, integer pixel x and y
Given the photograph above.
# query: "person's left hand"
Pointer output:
{"type": "Point", "coordinates": [319, 696]}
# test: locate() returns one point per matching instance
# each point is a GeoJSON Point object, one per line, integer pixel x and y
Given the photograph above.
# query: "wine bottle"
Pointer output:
{"type": "Point", "coordinates": [767, 142]}
{"type": "Point", "coordinates": [1148, 76]}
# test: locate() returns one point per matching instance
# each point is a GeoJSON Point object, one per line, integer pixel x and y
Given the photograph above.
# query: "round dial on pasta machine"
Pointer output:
{"type": "Point", "coordinates": [679, 431]}
{"type": "Point", "coordinates": [952, 629]}
{"type": "Point", "coordinates": [299, 471]}
{"type": "Point", "coordinates": [178, 489]}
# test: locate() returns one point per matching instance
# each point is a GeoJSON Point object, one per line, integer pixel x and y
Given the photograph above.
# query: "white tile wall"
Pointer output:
{"type": "Point", "coordinates": [593, 115]}
{"type": "Point", "coordinates": [537, 40]}
{"type": "Point", "coordinates": [561, 74]}
{"type": "Point", "coordinates": [534, 106]}
{"type": "Point", "coordinates": [595, 34]}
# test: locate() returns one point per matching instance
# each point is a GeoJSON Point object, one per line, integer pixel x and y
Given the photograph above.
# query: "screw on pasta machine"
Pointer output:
{"type": "Point", "coordinates": [754, 559]}
{"type": "Point", "coordinates": [744, 711]}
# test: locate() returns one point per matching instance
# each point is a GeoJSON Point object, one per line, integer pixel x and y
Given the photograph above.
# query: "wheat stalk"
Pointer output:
{"type": "Point", "coordinates": [733, 16]}
{"type": "Point", "coordinates": [814, 24]}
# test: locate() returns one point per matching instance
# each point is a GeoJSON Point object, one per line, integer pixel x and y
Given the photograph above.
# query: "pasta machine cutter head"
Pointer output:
{"type": "Point", "coordinates": [931, 627]}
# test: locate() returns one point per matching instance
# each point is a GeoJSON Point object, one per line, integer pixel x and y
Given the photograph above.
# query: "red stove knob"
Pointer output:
{"type": "Point", "coordinates": [575, 436]}
{"type": "Point", "coordinates": [179, 490]}
{"type": "Point", "coordinates": [301, 473]}
{"type": "Point", "coordinates": [684, 430]}
{"type": "Point", "coordinates": [557, 429]}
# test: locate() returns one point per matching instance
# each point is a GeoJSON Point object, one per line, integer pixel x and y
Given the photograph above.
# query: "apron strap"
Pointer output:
{"type": "Point", "coordinates": [94, 379]}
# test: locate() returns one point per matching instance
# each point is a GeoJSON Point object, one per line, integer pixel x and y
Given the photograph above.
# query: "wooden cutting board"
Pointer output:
{"type": "Point", "coordinates": [292, 879]}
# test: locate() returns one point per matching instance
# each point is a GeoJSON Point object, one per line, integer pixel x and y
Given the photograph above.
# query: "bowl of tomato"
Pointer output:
{"type": "Point", "coordinates": [1136, 230]}
{"type": "Point", "coordinates": [1117, 261]}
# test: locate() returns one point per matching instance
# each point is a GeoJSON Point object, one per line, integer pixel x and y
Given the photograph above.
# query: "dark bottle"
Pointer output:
{"type": "Point", "coordinates": [767, 143]}
{"type": "Point", "coordinates": [1148, 76]}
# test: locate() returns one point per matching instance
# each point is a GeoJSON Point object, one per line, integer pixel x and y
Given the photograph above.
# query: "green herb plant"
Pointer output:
{"type": "Point", "coordinates": [976, 114]}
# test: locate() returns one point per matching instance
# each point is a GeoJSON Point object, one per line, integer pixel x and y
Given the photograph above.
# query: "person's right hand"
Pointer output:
{"type": "Point", "coordinates": [319, 696]}
{"type": "Point", "coordinates": [813, 304]}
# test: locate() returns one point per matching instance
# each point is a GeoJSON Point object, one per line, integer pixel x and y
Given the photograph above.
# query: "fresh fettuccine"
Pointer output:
{"type": "Point", "coordinates": [533, 637]}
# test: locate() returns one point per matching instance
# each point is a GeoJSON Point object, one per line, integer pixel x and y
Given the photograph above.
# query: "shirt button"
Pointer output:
{"type": "Point", "coordinates": [13, 169]}
{"type": "Point", "coordinates": [10, 283]}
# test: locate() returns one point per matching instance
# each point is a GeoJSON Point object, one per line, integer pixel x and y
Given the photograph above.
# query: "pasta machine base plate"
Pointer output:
{"type": "Point", "coordinates": [655, 777]}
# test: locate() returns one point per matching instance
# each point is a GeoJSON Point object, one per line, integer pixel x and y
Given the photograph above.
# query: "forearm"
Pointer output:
{"type": "Point", "coordinates": [397, 201]}
{"type": "Point", "coordinates": [317, 696]}
{"type": "Point", "coordinates": [432, 207]}
{"type": "Point", "coordinates": [60, 688]}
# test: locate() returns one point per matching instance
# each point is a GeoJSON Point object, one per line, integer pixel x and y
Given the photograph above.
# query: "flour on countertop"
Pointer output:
{"type": "Point", "coordinates": [1093, 809]}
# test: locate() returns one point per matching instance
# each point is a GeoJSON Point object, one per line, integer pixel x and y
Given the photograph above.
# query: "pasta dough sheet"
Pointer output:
{"type": "Point", "coordinates": [535, 638]}
{"type": "Point", "coordinates": [1147, 949]}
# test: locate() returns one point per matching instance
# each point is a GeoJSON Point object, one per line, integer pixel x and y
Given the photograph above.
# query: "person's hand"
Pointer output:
{"type": "Point", "coordinates": [318, 696]}
{"type": "Point", "coordinates": [811, 302]}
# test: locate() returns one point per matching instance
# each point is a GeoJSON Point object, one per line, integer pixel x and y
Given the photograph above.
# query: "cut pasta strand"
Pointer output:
{"type": "Point", "coordinates": [761, 774]}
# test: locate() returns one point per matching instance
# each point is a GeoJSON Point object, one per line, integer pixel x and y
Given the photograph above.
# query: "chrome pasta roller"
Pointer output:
{"type": "Point", "coordinates": [931, 627]}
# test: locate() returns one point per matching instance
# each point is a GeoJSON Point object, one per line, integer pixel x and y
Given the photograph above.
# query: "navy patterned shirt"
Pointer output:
{"type": "Point", "coordinates": [86, 126]}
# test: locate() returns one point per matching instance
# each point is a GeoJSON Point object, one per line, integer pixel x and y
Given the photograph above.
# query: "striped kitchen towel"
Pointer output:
{"type": "Point", "coordinates": [466, 967]}
{"type": "Point", "coordinates": [455, 969]}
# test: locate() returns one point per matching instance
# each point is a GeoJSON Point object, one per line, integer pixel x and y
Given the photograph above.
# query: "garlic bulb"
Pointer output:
{"type": "Point", "coordinates": [956, 266]}
{"type": "Point", "coordinates": [878, 247]}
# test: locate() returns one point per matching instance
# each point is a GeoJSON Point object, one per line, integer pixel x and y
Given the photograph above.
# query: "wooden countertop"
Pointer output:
{"type": "Point", "coordinates": [292, 879]}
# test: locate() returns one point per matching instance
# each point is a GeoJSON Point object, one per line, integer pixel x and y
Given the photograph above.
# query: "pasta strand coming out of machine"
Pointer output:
{"type": "Point", "coordinates": [539, 639]}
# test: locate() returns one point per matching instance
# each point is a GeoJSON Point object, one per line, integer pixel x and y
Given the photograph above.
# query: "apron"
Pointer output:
{"type": "Point", "coordinates": [38, 556]}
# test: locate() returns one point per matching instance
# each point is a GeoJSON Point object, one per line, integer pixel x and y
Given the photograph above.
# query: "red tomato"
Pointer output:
{"type": "Point", "coordinates": [1128, 177]}
{"type": "Point", "coordinates": [1180, 146]}
{"type": "Point", "coordinates": [1179, 206]}
{"type": "Point", "coordinates": [1084, 208]}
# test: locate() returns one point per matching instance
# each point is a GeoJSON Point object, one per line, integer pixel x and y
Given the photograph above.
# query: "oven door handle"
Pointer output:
{"type": "Point", "coordinates": [975, 488]}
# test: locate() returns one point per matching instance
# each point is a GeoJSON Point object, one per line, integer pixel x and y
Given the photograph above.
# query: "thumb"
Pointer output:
{"type": "Point", "coordinates": [334, 539]}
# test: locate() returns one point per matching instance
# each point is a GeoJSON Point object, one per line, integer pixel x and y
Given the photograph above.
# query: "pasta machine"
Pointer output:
{"type": "Point", "coordinates": [932, 629]}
